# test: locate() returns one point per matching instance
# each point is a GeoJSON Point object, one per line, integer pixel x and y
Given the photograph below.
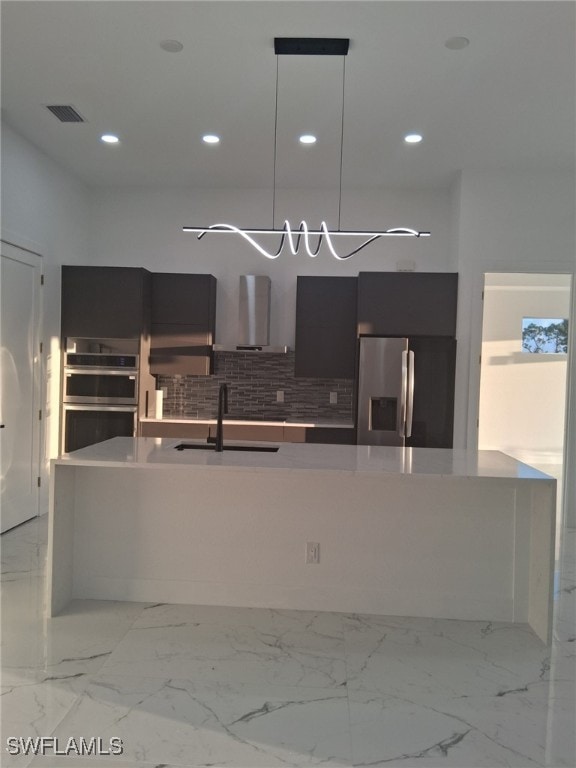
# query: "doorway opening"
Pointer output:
{"type": "Point", "coordinates": [524, 370]}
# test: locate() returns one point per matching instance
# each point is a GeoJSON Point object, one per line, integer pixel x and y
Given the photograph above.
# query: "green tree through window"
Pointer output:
{"type": "Point", "coordinates": [545, 337]}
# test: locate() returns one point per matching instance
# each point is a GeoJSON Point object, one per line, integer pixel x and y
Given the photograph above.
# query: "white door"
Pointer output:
{"type": "Point", "coordinates": [20, 280]}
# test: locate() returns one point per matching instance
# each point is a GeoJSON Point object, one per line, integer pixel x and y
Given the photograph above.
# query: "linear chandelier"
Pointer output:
{"type": "Point", "coordinates": [298, 238]}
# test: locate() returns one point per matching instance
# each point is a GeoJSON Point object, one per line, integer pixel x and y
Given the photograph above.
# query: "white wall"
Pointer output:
{"type": "Point", "coordinates": [144, 228]}
{"type": "Point", "coordinates": [45, 210]}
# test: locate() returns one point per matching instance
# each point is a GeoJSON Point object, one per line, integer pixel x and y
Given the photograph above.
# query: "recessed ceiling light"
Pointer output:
{"type": "Point", "coordinates": [457, 43]}
{"type": "Point", "coordinates": [171, 46]}
{"type": "Point", "coordinates": [109, 138]}
{"type": "Point", "coordinates": [307, 138]}
{"type": "Point", "coordinates": [211, 138]}
{"type": "Point", "coordinates": [413, 138]}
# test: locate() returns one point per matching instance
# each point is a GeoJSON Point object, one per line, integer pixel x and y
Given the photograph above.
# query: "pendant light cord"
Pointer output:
{"type": "Point", "coordinates": [275, 149]}
{"type": "Point", "coordinates": [341, 139]}
{"type": "Point", "coordinates": [276, 144]}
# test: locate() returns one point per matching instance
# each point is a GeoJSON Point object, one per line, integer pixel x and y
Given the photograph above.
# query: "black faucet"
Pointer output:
{"type": "Point", "coordinates": [222, 409]}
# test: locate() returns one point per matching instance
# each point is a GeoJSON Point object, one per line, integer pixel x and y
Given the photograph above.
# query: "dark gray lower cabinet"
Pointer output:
{"type": "Point", "coordinates": [276, 433]}
{"type": "Point", "coordinates": [185, 430]}
{"type": "Point", "coordinates": [334, 435]}
{"type": "Point", "coordinates": [326, 327]}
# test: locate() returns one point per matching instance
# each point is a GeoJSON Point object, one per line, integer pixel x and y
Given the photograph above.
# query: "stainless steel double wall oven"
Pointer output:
{"type": "Point", "coordinates": [100, 391]}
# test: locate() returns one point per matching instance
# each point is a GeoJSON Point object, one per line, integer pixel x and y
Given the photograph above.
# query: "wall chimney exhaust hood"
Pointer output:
{"type": "Point", "coordinates": [253, 317]}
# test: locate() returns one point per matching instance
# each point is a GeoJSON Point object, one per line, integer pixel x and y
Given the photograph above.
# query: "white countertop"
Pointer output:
{"type": "Point", "coordinates": [157, 453]}
{"type": "Point", "coordinates": [309, 423]}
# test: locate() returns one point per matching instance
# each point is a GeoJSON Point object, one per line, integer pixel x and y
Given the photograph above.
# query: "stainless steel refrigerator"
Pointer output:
{"type": "Point", "coordinates": [406, 391]}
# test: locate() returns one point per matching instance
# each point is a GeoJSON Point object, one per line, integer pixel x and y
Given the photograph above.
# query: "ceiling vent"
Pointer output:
{"type": "Point", "coordinates": [65, 113]}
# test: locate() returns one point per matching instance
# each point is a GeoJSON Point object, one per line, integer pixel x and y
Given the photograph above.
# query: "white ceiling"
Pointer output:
{"type": "Point", "coordinates": [507, 101]}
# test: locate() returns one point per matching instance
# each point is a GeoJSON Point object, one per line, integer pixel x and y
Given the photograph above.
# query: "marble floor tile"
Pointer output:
{"type": "Point", "coordinates": [72, 646]}
{"type": "Point", "coordinates": [30, 708]}
{"type": "Point", "coordinates": [565, 591]}
{"type": "Point", "coordinates": [22, 621]}
{"type": "Point", "coordinates": [430, 657]}
{"type": "Point", "coordinates": [229, 644]}
{"type": "Point", "coordinates": [190, 686]}
{"type": "Point", "coordinates": [70, 761]}
{"type": "Point", "coordinates": [182, 722]}
{"type": "Point", "coordinates": [563, 672]}
{"type": "Point", "coordinates": [482, 732]}
{"type": "Point", "coordinates": [22, 584]}
{"type": "Point", "coordinates": [560, 736]}
{"type": "Point", "coordinates": [23, 550]}
{"type": "Point", "coordinates": [311, 628]}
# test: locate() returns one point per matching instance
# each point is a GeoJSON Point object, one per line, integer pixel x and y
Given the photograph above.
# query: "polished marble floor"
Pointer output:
{"type": "Point", "coordinates": [199, 686]}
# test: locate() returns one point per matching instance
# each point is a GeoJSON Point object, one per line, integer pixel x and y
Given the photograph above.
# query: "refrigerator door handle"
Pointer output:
{"type": "Point", "coordinates": [410, 394]}
{"type": "Point", "coordinates": [403, 395]}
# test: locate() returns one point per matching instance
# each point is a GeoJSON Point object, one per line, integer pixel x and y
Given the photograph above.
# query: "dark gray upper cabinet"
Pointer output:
{"type": "Point", "coordinates": [182, 299]}
{"type": "Point", "coordinates": [326, 327]}
{"type": "Point", "coordinates": [407, 303]}
{"type": "Point", "coordinates": [183, 323]}
{"type": "Point", "coordinates": [105, 302]}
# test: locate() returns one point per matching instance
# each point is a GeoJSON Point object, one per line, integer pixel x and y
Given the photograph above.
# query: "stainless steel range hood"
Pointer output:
{"type": "Point", "coordinates": [253, 317]}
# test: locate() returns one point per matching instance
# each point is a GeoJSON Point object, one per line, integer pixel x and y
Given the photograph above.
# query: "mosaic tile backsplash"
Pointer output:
{"type": "Point", "coordinates": [253, 382]}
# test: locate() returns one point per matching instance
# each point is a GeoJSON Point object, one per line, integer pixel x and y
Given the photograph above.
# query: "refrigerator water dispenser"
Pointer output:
{"type": "Point", "coordinates": [383, 412]}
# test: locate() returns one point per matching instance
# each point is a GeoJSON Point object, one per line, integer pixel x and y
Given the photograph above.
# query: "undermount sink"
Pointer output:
{"type": "Point", "coordinates": [201, 447]}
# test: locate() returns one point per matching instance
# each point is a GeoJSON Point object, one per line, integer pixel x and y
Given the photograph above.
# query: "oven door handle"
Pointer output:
{"type": "Point", "coordinates": [96, 407]}
{"type": "Point", "coordinates": [129, 372]}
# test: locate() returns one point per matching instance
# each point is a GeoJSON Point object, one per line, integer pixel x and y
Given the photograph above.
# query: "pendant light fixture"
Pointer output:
{"type": "Point", "coordinates": [299, 238]}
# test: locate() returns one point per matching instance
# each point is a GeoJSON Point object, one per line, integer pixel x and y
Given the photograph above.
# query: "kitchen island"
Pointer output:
{"type": "Point", "coordinates": [413, 532]}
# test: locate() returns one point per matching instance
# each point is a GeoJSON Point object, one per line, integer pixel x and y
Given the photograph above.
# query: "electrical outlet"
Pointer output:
{"type": "Point", "coordinates": [333, 398]}
{"type": "Point", "coordinates": [312, 552]}
{"type": "Point", "coordinates": [279, 395]}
